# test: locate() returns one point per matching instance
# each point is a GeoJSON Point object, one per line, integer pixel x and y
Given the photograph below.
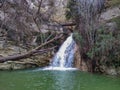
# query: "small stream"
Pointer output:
{"type": "Point", "coordinates": [56, 80]}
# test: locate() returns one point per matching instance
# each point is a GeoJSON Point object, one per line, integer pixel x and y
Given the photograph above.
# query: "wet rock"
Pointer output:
{"type": "Point", "coordinates": [5, 66]}
{"type": "Point", "coordinates": [118, 71]}
{"type": "Point", "coordinates": [37, 61]}
{"type": "Point", "coordinates": [14, 65]}
{"type": "Point", "coordinates": [78, 62]}
{"type": "Point", "coordinates": [111, 71]}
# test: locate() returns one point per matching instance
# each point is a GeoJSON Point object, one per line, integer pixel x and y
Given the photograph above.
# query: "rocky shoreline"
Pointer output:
{"type": "Point", "coordinates": [34, 61]}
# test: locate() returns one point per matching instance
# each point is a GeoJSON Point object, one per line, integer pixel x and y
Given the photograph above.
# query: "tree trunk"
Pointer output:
{"type": "Point", "coordinates": [30, 53]}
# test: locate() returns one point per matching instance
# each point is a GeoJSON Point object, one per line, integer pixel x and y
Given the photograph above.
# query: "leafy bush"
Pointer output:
{"type": "Point", "coordinates": [71, 11]}
{"type": "Point", "coordinates": [107, 48]}
{"type": "Point", "coordinates": [117, 21]}
{"type": "Point", "coordinates": [101, 45]}
{"type": "Point", "coordinates": [114, 2]}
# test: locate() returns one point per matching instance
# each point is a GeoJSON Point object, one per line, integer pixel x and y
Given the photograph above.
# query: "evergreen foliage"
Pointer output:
{"type": "Point", "coordinates": [106, 47]}
{"type": "Point", "coordinates": [71, 11]}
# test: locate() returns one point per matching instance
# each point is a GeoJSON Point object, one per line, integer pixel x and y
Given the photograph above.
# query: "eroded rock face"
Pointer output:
{"type": "Point", "coordinates": [78, 62]}
{"type": "Point", "coordinates": [85, 65]}
{"type": "Point", "coordinates": [39, 61]}
{"type": "Point", "coordinates": [35, 61]}
{"type": "Point", "coordinates": [110, 13]}
{"type": "Point", "coordinates": [25, 63]}
{"type": "Point", "coordinates": [19, 19]}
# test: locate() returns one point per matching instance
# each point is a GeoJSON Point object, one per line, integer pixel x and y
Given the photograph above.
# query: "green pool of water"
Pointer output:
{"type": "Point", "coordinates": [56, 80]}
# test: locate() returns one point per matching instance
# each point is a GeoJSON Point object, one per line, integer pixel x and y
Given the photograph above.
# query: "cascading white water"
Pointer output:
{"type": "Point", "coordinates": [64, 57]}
{"type": "Point", "coordinates": [88, 12]}
{"type": "Point", "coordinates": [63, 60]}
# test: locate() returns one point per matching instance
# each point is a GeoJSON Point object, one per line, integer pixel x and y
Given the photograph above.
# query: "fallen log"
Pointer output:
{"type": "Point", "coordinates": [28, 54]}
{"type": "Point", "coordinates": [68, 24]}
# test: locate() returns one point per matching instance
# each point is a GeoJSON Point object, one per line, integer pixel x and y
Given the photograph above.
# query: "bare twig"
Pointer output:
{"type": "Point", "coordinates": [28, 54]}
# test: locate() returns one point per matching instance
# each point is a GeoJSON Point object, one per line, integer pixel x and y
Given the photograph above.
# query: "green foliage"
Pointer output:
{"type": "Point", "coordinates": [114, 2]}
{"type": "Point", "coordinates": [106, 48]}
{"type": "Point", "coordinates": [44, 37]}
{"type": "Point", "coordinates": [77, 37]}
{"type": "Point", "coordinates": [116, 20]}
{"type": "Point", "coordinates": [71, 10]}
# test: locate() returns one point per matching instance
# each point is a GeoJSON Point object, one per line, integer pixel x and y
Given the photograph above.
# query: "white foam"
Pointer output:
{"type": "Point", "coordinates": [64, 56]}
{"type": "Point", "coordinates": [59, 68]}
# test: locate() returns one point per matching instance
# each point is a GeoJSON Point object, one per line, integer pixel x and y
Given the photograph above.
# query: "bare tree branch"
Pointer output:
{"type": "Point", "coordinates": [28, 54]}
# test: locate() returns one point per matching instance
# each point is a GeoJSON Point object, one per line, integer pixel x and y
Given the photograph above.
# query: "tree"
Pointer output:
{"type": "Point", "coordinates": [85, 13]}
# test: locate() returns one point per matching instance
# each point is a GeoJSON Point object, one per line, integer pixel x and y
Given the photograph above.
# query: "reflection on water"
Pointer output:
{"type": "Point", "coordinates": [64, 81]}
{"type": "Point", "coordinates": [56, 80]}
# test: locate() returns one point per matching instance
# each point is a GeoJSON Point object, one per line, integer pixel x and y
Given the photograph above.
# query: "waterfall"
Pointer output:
{"type": "Point", "coordinates": [64, 57]}
{"type": "Point", "coordinates": [87, 16]}
{"type": "Point", "coordinates": [63, 60]}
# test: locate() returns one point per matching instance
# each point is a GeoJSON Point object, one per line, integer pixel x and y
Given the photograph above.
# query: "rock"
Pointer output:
{"type": "Point", "coordinates": [110, 13]}
{"type": "Point", "coordinates": [5, 66]}
{"type": "Point", "coordinates": [112, 26]}
{"type": "Point", "coordinates": [78, 62]}
{"type": "Point", "coordinates": [21, 19]}
{"type": "Point", "coordinates": [60, 11]}
{"type": "Point", "coordinates": [22, 65]}
{"type": "Point", "coordinates": [14, 65]}
{"type": "Point", "coordinates": [111, 71]}
{"type": "Point", "coordinates": [118, 71]}
{"type": "Point", "coordinates": [37, 61]}
{"type": "Point", "coordinates": [2, 44]}
{"type": "Point", "coordinates": [11, 50]}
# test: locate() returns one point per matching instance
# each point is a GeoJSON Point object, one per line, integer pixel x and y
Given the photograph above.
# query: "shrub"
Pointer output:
{"type": "Point", "coordinates": [107, 48]}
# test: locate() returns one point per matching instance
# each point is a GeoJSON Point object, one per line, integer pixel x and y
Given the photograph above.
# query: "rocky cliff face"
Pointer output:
{"type": "Point", "coordinates": [20, 20]}
{"type": "Point", "coordinates": [110, 21]}
{"type": "Point", "coordinates": [25, 23]}
{"type": "Point", "coordinates": [23, 18]}
{"type": "Point", "coordinates": [39, 60]}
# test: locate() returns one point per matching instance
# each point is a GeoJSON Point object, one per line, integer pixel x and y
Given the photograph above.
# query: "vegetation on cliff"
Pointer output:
{"type": "Point", "coordinates": [31, 23]}
{"type": "Point", "coordinates": [104, 51]}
